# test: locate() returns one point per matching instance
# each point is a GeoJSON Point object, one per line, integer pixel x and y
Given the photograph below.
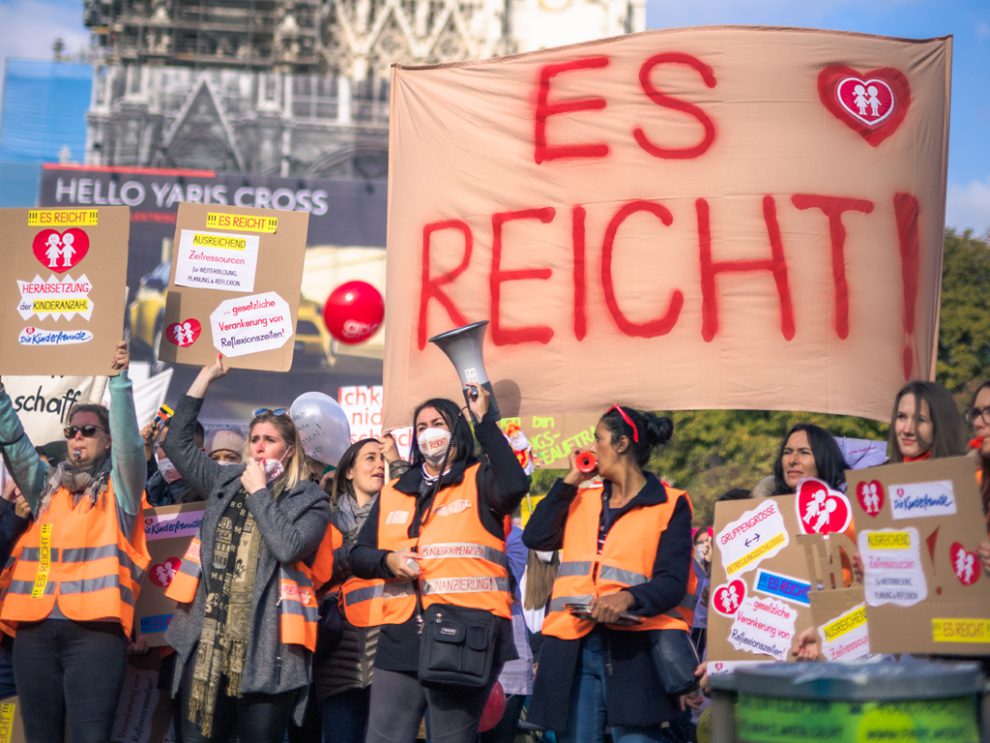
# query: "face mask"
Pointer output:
{"type": "Point", "coordinates": [699, 552]}
{"type": "Point", "coordinates": [433, 443]}
{"type": "Point", "coordinates": [274, 469]}
{"type": "Point", "coordinates": [544, 556]}
{"type": "Point", "coordinates": [168, 470]}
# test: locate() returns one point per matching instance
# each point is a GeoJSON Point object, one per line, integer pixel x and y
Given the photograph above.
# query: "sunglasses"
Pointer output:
{"type": "Point", "coordinates": [88, 431]}
{"type": "Point", "coordinates": [271, 411]}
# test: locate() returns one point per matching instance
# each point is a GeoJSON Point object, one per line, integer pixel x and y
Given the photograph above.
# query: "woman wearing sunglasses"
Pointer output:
{"type": "Point", "coordinates": [245, 628]}
{"type": "Point", "coordinates": [435, 543]}
{"type": "Point", "coordinates": [625, 569]}
{"type": "Point", "coordinates": [74, 582]}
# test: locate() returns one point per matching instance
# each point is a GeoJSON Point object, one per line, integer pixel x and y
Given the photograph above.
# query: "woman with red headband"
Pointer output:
{"type": "Point", "coordinates": [625, 569]}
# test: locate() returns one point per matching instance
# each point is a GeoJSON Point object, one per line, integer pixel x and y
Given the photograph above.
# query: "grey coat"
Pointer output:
{"type": "Point", "coordinates": [291, 527]}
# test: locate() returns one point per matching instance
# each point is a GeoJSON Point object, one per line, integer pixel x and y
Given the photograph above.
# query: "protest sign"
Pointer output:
{"type": "Point", "coordinates": [759, 582]}
{"type": "Point", "coordinates": [63, 289]}
{"type": "Point", "coordinates": [168, 531]}
{"type": "Point", "coordinates": [43, 403]}
{"type": "Point", "coordinates": [651, 218]}
{"type": "Point", "coordinates": [920, 525]}
{"type": "Point", "coordinates": [837, 612]}
{"type": "Point", "coordinates": [11, 724]}
{"type": "Point", "coordinates": [234, 287]}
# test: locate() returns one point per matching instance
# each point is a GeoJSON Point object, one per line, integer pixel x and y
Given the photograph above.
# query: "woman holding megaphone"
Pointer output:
{"type": "Point", "coordinates": [435, 543]}
{"type": "Point", "coordinates": [625, 570]}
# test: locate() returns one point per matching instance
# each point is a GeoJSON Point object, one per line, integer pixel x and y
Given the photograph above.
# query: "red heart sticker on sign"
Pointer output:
{"type": "Point", "coordinates": [965, 564]}
{"type": "Point", "coordinates": [162, 573]}
{"type": "Point", "coordinates": [185, 333]}
{"type": "Point", "coordinates": [60, 251]}
{"type": "Point", "coordinates": [870, 497]}
{"type": "Point", "coordinates": [728, 597]}
{"type": "Point", "coordinates": [873, 103]}
{"type": "Point", "coordinates": [821, 510]}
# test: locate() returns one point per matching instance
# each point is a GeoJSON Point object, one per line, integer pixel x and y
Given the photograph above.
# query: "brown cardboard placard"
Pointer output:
{"type": "Point", "coordinates": [11, 725]}
{"type": "Point", "coordinates": [63, 289]}
{"type": "Point", "coordinates": [920, 525]}
{"type": "Point", "coordinates": [234, 286]}
{"type": "Point", "coordinates": [168, 531]}
{"type": "Point", "coordinates": [145, 712]}
{"type": "Point", "coordinates": [837, 612]}
{"type": "Point", "coordinates": [759, 584]}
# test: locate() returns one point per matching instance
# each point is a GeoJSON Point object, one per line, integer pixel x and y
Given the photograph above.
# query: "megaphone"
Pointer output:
{"type": "Point", "coordinates": [463, 347]}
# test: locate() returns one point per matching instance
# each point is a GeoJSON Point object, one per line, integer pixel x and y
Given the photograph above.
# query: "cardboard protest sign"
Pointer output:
{"type": "Point", "coordinates": [919, 527]}
{"type": "Point", "coordinates": [11, 724]}
{"type": "Point", "coordinates": [63, 289]}
{"type": "Point", "coordinates": [837, 612]}
{"type": "Point", "coordinates": [759, 582]}
{"type": "Point", "coordinates": [234, 286]}
{"type": "Point", "coordinates": [651, 218]}
{"type": "Point", "coordinates": [168, 530]}
{"type": "Point", "coordinates": [145, 712]}
{"type": "Point", "coordinates": [43, 403]}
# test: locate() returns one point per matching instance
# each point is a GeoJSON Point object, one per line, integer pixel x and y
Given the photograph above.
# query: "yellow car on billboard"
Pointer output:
{"type": "Point", "coordinates": [146, 312]}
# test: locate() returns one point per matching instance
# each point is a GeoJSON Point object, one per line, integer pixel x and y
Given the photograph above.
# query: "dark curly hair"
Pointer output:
{"type": "Point", "coordinates": [653, 430]}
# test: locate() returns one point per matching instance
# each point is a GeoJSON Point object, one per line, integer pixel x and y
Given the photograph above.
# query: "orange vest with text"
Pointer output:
{"type": "Point", "coordinates": [626, 560]}
{"type": "Point", "coordinates": [461, 562]}
{"type": "Point", "coordinates": [298, 608]}
{"type": "Point", "coordinates": [76, 557]}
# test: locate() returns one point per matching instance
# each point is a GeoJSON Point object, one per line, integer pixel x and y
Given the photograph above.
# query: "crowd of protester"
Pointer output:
{"type": "Point", "coordinates": [374, 598]}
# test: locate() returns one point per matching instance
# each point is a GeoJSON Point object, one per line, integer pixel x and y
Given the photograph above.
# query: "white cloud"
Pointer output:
{"type": "Point", "coordinates": [30, 27]}
{"type": "Point", "coordinates": [968, 206]}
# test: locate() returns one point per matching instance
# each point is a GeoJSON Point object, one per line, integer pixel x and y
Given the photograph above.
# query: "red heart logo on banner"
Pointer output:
{"type": "Point", "coordinates": [60, 251]}
{"type": "Point", "coordinates": [185, 333]}
{"type": "Point", "coordinates": [161, 573]}
{"type": "Point", "coordinates": [872, 103]}
{"type": "Point", "coordinates": [965, 564]}
{"type": "Point", "coordinates": [870, 497]}
{"type": "Point", "coordinates": [728, 597]}
{"type": "Point", "coordinates": [821, 510]}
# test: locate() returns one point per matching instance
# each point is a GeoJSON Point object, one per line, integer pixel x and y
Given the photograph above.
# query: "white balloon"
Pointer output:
{"type": "Point", "coordinates": [322, 425]}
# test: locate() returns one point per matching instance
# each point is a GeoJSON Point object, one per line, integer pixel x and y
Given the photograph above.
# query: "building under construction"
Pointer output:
{"type": "Point", "coordinates": [293, 87]}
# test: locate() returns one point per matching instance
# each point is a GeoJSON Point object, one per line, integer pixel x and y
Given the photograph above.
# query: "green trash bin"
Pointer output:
{"type": "Point", "coordinates": [912, 702]}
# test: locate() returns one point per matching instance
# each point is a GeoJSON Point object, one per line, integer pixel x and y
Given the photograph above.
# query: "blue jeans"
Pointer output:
{"type": "Point", "coordinates": [345, 716]}
{"type": "Point", "coordinates": [586, 710]}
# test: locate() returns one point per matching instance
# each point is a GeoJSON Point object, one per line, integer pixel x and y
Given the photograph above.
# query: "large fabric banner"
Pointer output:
{"type": "Point", "coordinates": [702, 218]}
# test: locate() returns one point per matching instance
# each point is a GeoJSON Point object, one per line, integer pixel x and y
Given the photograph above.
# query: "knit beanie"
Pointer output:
{"type": "Point", "coordinates": [226, 440]}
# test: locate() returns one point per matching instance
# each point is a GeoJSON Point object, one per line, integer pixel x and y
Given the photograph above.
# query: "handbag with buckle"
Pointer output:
{"type": "Point", "coordinates": [457, 646]}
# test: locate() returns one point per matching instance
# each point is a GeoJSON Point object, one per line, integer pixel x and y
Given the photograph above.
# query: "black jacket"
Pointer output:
{"type": "Point", "coordinates": [633, 695]}
{"type": "Point", "coordinates": [501, 486]}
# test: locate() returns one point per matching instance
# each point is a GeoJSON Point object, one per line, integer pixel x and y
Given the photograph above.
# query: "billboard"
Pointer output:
{"type": "Point", "coordinates": [346, 239]}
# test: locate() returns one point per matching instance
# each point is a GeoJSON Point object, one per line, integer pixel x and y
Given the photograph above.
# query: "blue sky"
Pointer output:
{"type": "Point", "coordinates": [968, 21]}
{"type": "Point", "coordinates": [28, 27]}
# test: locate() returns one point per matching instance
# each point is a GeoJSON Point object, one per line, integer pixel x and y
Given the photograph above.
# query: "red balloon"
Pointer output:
{"type": "Point", "coordinates": [353, 312]}
{"type": "Point", "coordinates": [494, 709]}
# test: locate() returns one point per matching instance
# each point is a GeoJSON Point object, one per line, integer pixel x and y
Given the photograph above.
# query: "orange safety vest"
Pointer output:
{"type": "Point", "coordinates": [76, 557]}
{"type": "Point", "coordinates": [626, 559]}
{"type": "Point", "coordinates": [298, 609]}
{"type": "Point", "coordinates": [461, 562]}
